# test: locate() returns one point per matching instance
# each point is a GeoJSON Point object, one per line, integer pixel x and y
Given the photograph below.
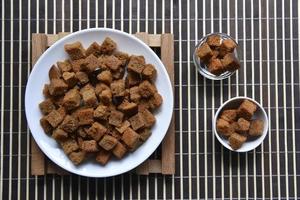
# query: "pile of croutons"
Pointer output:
{"type": "Point", "coordinates": [218, 54]}
{"type": "Point", "coordinates": [237, 124]}
{"type": "Point", "coordinates": [92, 109]}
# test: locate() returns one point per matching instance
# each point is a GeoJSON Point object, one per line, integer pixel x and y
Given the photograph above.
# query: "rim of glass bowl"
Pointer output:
{"type": "Point", "coordinates": [201, 67]}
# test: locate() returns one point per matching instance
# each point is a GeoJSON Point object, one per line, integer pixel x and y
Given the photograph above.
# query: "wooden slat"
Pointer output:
{"type": "Point", "coordinates": [143, 169]}
{"type": "Point", "coordinates": [155, 166]}
{"type": "Point", "coordinates": [168, 144]}
{"type": "Point", "coordinates": [52, 168]}
{"type": "Point", "coordinates": [143, 36]}
{"type": "Point", "coordinates": [154, 40]}
{"type": "Point", "coordinates": [39, 45]}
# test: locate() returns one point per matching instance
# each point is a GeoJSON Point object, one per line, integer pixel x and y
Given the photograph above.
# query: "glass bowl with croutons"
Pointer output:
{"type": "Point", "coordinates": [216, 57]}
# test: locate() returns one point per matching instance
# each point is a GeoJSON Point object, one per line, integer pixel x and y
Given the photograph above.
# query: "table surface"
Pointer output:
{"type": "Point", "coordinates": [268, 37]}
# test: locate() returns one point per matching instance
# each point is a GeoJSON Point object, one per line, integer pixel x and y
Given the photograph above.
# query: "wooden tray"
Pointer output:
{"type": "Point", "coordinates": [41, 165]}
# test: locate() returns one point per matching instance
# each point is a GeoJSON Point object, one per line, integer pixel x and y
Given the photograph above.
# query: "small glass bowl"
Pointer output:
{"type": "Point", "coordinates": [202, 68]}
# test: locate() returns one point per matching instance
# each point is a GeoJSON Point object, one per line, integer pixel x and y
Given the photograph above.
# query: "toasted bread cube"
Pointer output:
{"type": "Point", "coordinates": [101, 61]}
{"type": "Point", "coordinates": [106, 96]}
{"type": "Point", "coordinates": [94, 49]}
{"type": "Point", "coordinates": [108, 142]}
{"type": "Point", "coordinates": [77, 157]}
{"type": "Point", "coordinates": [129, 108]}
{"type": "Point", "coordinates": [116, 118]}
{"type": "Point", "coordinates": [236, 140]}
{"type": "Point", "coordinates": [229, 115]}
{"type": "Point", "coordinates": [214, 41]}
{"type": "Point", "coordinates": [85, 116]}
{"type": "Point", "coordinates": [70, 78]}
{"type": "Point", "coordinates": [256, 127]}
{"type": "Point", "coordinates": [54, 73]}
{"type": "Point", "coordinates": [59, 134]}
{"type": "Point", "coordinates": [46, 125]}
{"type": "Point", "coordinates": [148, 117]}
{"type": "Point", "coordinates": [123, 126]}
{"type": "Point", "coordinates": [146, 89]}
{"type": "Point", "coordinates": [82, 132]}
{"type": "Point", "coordinates": [90, 146]}
{"type": "Point", "coordinates": [130, 138]}
{"type": "Point", "coordinates": [82, 77]}
{"type": "Point", "coordinates": [64, 66]}
{"type": "Point", "coordinates": [69, 145]}
{"type": "Point", "coordinates": [230, 62]}
{"type": "Point", "coordinates": [92, 64]}
{"type": "Point", "coordinates": [243, 126]}
{"type": "Point", "coordinates": [103, 157]}
{"type": "Point", "coordinates": [224, 128]}
{"type": "Point", "coordinates": [105, 77]}
{"type": "Point", "coordinates": [100, 87]}
{"type": "Point", "coordinates": [204, 52]}
{"type": "Point", "coordinates": [54, 118]}
{"type": "Point", "coordinates": [46, 106]}
{"type": "Point", "coordinates": [72, 99]}
{"type": "Point", "coordinates": [215, 66]}
{"type": "Point", "coordinates": [144, 134]}
{"type": "Point", "coordinates": [123, 57]}
{"type": "Point", "coordinates": [132, 79]}
{"type": "Point", "coordinates": [77, 65]}
{"type": "Point", "coordinates": [62, 111]}
{"type": "Point", "coordinates": [89, 96]}
{"type": "Point", "coordinates": [101, 112]}
{"type": "Point", "coordinates": [114, 133]}
{"type": "Point", "coordinates": [57, 87]}
{"type": "Point", "coordinates": [112, 62]}
{"type": "Point", "coordinates": [149, 72]}
{"type": "Point", "coordinates": [227, 46]}
{"type": "Point", "coordinates": [215, 54]}
{"type": "Point", "coordinates": [136, 64]}
{"type": "Point", "coordinates": [137, 121]}
{"type": "Point", "coordinates": [75, 50]}
{"type": "Point", "coordinates": [120, 150]}
{"type": "Point", "coordinates": [155, 101]}
{"type": "Point", "coordinates": [118, 74]}
{"type": "Point", "coordinates": [96, 131]}
{"type": "Point", "coordinates": [46, 92]}
{"type": "Point", "coordinates": [246, 109]}
{"type": "Point", "coordinates": [69, 124]}
{"type": "Point", "coordinates": [108, 46]}
{"type": "Point", "coordinates": [134, 94]}
{"type": "Point", "coordinates": [118, 87]}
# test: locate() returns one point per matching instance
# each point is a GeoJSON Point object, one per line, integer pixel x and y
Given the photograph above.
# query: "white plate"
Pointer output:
{"type": "Point", "coordinates": [39, 76]}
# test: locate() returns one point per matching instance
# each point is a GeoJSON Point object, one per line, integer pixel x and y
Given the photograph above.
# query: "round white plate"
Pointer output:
{"type": "Point", "coordinates": [39, 76]}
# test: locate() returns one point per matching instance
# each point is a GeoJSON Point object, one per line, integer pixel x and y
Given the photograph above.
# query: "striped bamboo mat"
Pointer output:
{"type": "Point", "coordinates": [268, 36]}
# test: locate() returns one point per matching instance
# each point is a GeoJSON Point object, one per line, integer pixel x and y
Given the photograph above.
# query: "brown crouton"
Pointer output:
{"type": "Point", "coordinates": [76, 64]}
{"type": "Point", "coordinates": [92, 64]}
{"type": "Point", "coordinates": [118, 88]}
{"type": "Point", "coordinates": [105, 77]}
{"type": "Point", "coordinates": [137, 121]}
{"type": "Point", "coordinates": [89, 146]}
{"type": "Point", "coordinates": [229, 115]}
{"type": "Point", "coordinates": [246, 109]}
{"type": "Point", "coordinates": [120, 150]}
{"type": "Point", "coordinates": [57, 87]}
{"type": "Point", "coordinates": [243, 126]}
{"type": "Point", "coordinates": [112, 132]}
{"type": "Point", "coordinates": [214, 41]}
{"type": "Point", "coordinates": [108, 46]}
{"type": "Point", "coordinates": [82, 77]}
{"type": "Point", "coordinates": [82, 132]}
{"type": "Point", "coordinates": [85, 116]}
{"type": "Point", "coordinates": [101, 61]}
{"type": "Point", "coordinates": [144, 134]}
{"type": "Point", "coordinates": [155, 101]}
{"type": "Point", "coordinates": [123, 126]}
{"type": "Point", "coordinates": [108, 142]}
{"type": "Point", "coordinates": [119, 74]}
{"type": "Point", "coordinates": [94, 49]}
{"type": "Point", "coordinates": [103, 156]}
{"type": "Point", "coordinates": [215, 54]}
{"type": "Point", "coordinates": [130, 138]}
{"type": "Point", "coordinates": [46, 106]}
{"type": "Point", "coordinates": [100, 87]}
{"type": "Point", "coordinates": [89, 96]}
{"type": "Point", "coordinates": [204, 52]}
{"type": "Point", "coordinates": [230, 62]}
{"type": "Point", "coordinates": [62, 111]}
{"type": "Point", "coordinates": [134, 94]}
{"type": "Point", "coordinates": [136, 64]}
{"type": "Point", "coordinates": [59, 134]}
{"type": "Point", "coordinates": [149, 72]}
{"type": "Point", "coordinates": [96, 131]}
{"type": "Point", "coordinates": [128, 108]}
{"type": "Point", "coordinates": [75, 50]}
{"type": "Point", "coordinates": [236, 140]}
{"type": "Point", "coordinates": [46, 92]}
{"type": "Point", "coordinates": [71, 99]}
{"type": "Point", "coordinates": [123, 57]}
{"type": "Point", "coordinates": [54, 73]}
{"type": "Point", "coordinates": [46, 125]}
{"type": "Point", "coordinates": [64, 66]}
{"type": "Point", "coordinates": [132, 79]}
{"type": "Point", "coordinates": [112, 62]}
{"type": "Point", "coordinates": [106, 96]}
{"type": "Point", "coordinates": [215, 66]}
{"type": "Point", "coordinates": [146, 89]}
{"type": "Point", "coordinates": [101, 112]}
{"type": "Point", "coordinates": [227, 46]}
{"type": "Point", "coordinates": [77, 157]}
{"type": "Point", "coordinates": [69, 124]}
{"type": "Point", "coordinates": [148, 117]}
{"type": "Point", "coordinates": [69, 145]}
{"type": "Point", "coordinates": [54, 118]}
{"type": "Point", "coordinates": [256, 127]}
{"type": "Point", "coordinates": [70, 78]}
{"type": "Point", "coordinates": [224, 128]}
{"type": "Point", "coordinates": [116, 118]}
